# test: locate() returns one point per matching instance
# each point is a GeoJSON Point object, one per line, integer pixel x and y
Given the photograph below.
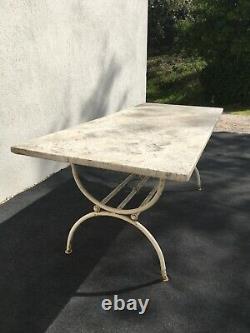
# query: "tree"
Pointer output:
{"type": "Point", "coordinates": [163, 18]}
{"type": "Point", "coordinates": [219, 31]}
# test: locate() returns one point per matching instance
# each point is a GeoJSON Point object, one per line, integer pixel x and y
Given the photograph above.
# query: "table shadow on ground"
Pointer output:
{"type": "Point", "coordinates": [206, 243]}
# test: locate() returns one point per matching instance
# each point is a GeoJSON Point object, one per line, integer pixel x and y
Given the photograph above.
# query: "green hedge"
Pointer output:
{"type": "Point", "coordinates": [227, 81]}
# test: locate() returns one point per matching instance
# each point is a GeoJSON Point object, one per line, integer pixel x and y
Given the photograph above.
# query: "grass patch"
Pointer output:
{"type": "Point", "coordinates": [174, 79]}
{"type": "Point", "coordinates": [238, 110]}
{"type": "Point", "coordinates": [242, 113]}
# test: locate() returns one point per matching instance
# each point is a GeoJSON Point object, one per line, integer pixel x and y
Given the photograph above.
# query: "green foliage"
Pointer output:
{"type": "Point", "coordinates": [221, 26]}
{"type": "Point", "coordinates": [175, 79]}
{"type": "Point", "coordinates": [227, 81]}
{"type": "Point", "coordinates": [163, 18]}
{"type": "Point", "coordinates": [219, 31]}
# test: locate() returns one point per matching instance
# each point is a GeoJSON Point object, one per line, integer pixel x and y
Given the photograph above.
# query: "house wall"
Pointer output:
{"type": "Point", "coordinates": [63, 62]}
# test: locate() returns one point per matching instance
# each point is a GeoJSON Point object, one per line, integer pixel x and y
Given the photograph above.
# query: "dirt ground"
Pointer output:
{"type": "Point", "coordinates": [233, 124]}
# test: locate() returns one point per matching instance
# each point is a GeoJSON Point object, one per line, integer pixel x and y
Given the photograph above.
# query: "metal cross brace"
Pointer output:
{"type": "Point", "coordinates": [127, 215]}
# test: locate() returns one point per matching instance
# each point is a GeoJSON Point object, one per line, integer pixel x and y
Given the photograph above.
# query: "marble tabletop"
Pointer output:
{"type": "Point", "coordinates": [157, 140]}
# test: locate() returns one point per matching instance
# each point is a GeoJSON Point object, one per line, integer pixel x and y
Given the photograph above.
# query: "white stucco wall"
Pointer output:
{"type": "Point", "coordinates": [63, 62]}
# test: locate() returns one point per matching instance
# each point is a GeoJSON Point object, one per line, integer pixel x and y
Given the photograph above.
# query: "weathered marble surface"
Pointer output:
{"type": "Point", "coordinates": [155, 140]}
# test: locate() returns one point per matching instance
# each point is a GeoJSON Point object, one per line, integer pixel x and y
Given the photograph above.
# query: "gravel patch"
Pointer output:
{"type": "Point", "coordinates": [233, 124]}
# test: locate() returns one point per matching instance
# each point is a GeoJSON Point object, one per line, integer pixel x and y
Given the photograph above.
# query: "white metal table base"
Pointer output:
{"type": "Point", "coordinates": [126, 215]}
{"type": "Point", "coordinates": [198, 178]}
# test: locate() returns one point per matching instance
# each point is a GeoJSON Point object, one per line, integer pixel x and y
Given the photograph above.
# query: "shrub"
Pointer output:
{"type": "Point", "coordinates": [227, 81]}
{"type": "Point", "coordinates": [163, 18]}
{"type": "Point", "coordinates": [219, 31]}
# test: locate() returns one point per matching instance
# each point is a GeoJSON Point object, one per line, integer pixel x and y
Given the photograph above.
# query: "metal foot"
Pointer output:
{"type": "Point", "coordinates": [68, 249]}
{"type": "Point", "coordinates": [120, 212]}
{"type": "Point", "coordinates": [165, 277]}
{"type": "Point", "coordinates": [198, 178]}
{"type": "Point", "coordinates": [136, 224]}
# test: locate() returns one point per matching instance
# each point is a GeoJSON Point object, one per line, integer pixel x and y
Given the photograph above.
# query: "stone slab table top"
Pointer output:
{"type": "Point", "coordinates": [156, 140]}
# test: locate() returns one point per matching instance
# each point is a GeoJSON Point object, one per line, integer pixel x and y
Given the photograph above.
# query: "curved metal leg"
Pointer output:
{"type": "Point", "coordinates": [125, 219]}
{"type": "Point", "coordinates": [198, 179]}
{"type": "Point", "coordinates": [127, 215]}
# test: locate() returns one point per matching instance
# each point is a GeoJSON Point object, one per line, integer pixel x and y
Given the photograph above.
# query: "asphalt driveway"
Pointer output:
{"type": "Point", "coordinates": [205, 237]}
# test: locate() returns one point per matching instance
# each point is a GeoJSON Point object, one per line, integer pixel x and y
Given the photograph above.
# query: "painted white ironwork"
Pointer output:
{"type": "Point", "coordinates": [198, 178]}
{"type": "Point", "coordinates": [133, 192]}
{"type": "Point", "coordinates": [102, 209]}
{"type": "Point", "coordinates": [120, 212]}
{"type": "Point", "coordinates": [145, 201]}
{"type": "Point", "coordinates": [125, 219]}
{"type": "Point", "coordinates": [160, 188]}
{"type": "Point", "coordinates": [117, 189]}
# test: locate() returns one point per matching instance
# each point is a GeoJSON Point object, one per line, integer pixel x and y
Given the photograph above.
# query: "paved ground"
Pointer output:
{"type": "Point", "coordinates": [204, 235]}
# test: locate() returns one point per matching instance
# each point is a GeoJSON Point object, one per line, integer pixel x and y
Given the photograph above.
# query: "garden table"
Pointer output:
{"type": "Point", "coordinates": [148, 142]}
